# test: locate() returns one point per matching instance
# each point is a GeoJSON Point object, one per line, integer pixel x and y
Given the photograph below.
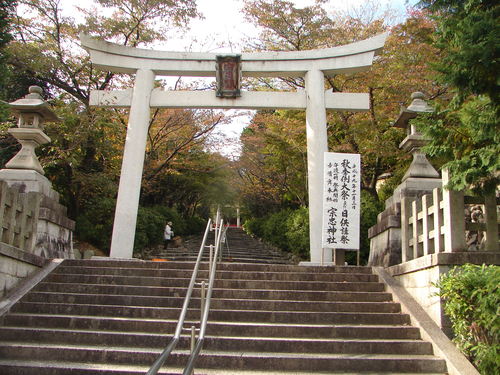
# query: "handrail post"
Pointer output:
{"type": "Point", "coordinates": [210, 260]}
{"type": "Point", "coordinates": [193, 337]}
{"type": "Point", "coordinates": [202, 299]}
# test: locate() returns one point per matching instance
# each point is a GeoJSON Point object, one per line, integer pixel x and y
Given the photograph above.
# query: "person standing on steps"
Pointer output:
{"type": "Point", "coordinates": [168, 234]}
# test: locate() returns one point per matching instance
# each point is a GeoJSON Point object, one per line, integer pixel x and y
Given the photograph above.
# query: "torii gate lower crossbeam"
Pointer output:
{"type": "Point", "coordinates": [146, 64]}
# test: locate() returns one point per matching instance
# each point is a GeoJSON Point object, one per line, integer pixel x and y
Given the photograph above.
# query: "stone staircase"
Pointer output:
{"type": "Point", "coordinates": [238, 247]}
{"type": "Point", "coordinates": [115, 317]}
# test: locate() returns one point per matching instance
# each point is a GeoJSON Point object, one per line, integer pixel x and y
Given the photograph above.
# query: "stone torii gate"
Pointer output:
{"type": "Point", "coordinates": [313, 65]}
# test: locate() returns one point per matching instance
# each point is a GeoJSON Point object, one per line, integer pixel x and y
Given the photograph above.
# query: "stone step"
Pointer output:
{"type": "Point", "coordinates": [221, 274]}
{"type": "Point", "coordinates": [240, 329]}
{"type": "Point", "coordinates": [227, 360]}
{"type": "Point", "coordinates": [238, 259]}
{"type": "Point", "coordinates": [219, 283]}
{"type": "Point", "coordinates": [215, 315]}
{"type": "Point", "coordinates": [291, 295]}
{"type": "Point", "coordinates": [221, 266]}
{"type": "Point", "coordinates": [217, 303]}
{"type": "Point", "coordinates": [223, 343]}
{"type": "Point", "coordinates": [15, 367]}
{"type": "Point", "coordinates": [115, 317]}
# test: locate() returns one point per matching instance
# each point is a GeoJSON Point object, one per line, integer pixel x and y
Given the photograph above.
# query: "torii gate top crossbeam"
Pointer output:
{"type": "Point", "coordinates": [349, 58]}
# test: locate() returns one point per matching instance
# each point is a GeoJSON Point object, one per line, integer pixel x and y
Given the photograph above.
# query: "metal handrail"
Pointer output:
{"type": "Point", "coordinates": [155, 367]}
{"type": "Point", "coordinates": [203, 324]}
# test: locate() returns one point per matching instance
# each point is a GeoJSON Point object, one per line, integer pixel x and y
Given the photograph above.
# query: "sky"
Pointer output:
{"type": "Point", "coordinates": [223, 22]}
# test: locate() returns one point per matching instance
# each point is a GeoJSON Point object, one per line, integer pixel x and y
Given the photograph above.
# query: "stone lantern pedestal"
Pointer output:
{"type": "Point", "coordinates": [420, 179]}
{"type": "Point", "coordinates": [54, 237]}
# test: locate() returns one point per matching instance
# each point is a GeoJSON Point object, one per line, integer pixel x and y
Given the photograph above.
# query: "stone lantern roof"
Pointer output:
{"type": "Point", "coordinates": [33, 103]}
{"type": "Point", "coordinates": [417, 106]}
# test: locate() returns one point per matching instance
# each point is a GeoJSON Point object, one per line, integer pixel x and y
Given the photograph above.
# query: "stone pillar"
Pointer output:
{"type": "Point", "coordinates": [238, 217]}
{"type": "Point", "coordinates": [316, 147]}
{"type": "Point", "coordinates": [127, 205]}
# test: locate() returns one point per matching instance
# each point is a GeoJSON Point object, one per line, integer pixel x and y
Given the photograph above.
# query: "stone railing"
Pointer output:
{"type": "Point", "coordinates": [33, 229]}
{"type": "Point", "coordinates": [448, 221]}
{"type": "Point", "coordinates": [18, 217]}
{"type": "Point", "coordinates": [427, 233]}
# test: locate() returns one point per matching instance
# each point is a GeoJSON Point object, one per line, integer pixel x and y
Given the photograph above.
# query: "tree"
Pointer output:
{"type": "Point", "coordinates": [7, 11]}
{"type": "Point", "coordinates": [465, 131]}
{"type": "Point", "coordinates": [83, 160]}
{"type": "Point", "coordinates": [273, 164]}
{"type": "Point", "coordinates": [86, 149]}
{"type": "Point", "coordinates": [400, 70]}
{"type": "Point", "coordinates": [468, 33]}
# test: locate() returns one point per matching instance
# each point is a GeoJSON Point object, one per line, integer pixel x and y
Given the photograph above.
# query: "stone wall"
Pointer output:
{"type": "Point", "coordinates": [15, 265]}
{"type": "Point", "coordinates": [45, 219]}
{"type": "Point", "coordinates": [54, 231]}
{"type": "Point", "coordinates": [418, 275]}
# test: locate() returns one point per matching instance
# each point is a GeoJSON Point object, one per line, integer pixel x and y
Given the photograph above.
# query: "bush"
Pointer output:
{"type": "Point", "coordinates": [149, 228]}
{"type": "Point", "coordinates": [96, 224]}
{"type": "Point", "coordinates": [370, 208]}
{"type": "Point", "coordinates": [286, 229]}
{"type": "Point", "coordinates": [472, 302]}
{"type": "Point", "coordinates": [275, 230]}
{"type": "Point", "coordinates": [254, 225]}
{"type": "Point", "coordinates": [195, 225]}
{"type": "Point", "coordinates": [297, 232]}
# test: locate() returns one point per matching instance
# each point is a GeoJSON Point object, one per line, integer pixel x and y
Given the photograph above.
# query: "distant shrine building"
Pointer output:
{"type": "Point", "coordinates": [312, 65]}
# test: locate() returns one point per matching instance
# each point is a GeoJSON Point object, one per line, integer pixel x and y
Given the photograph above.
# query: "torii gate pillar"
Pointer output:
{"type": "Point", "coordinates": [146, 64]}
{"type": "Point", "coordinates": [127, 205]}
{"type": "Point", "coordinates": [316, 147]}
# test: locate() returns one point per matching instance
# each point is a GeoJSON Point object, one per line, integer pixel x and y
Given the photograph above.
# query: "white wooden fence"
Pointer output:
{"type": "Point", "coordinates": [436, 223]}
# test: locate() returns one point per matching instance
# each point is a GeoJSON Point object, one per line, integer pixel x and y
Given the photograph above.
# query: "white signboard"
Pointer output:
{"type": "Point", "coordinates": [341, 201]}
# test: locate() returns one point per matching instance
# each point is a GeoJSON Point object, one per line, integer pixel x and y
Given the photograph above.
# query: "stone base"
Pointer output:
{"type": "Point", "coordinates": [418, 275]}
{"type": "Point", "coordinates": [28, 180]}
{"type": "Point", "coordinates": [54, 237]}
{"type": "Point", "coordinates": [316, 264]}
{"type": "Point", "coordinates": [385, 248]}
{"type": "Point", "coordinates": [15, 265]}
{"type": "Point", "coordinates": [413, 187]}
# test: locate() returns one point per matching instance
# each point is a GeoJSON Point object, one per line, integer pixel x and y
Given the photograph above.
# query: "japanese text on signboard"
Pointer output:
{"type": "Point", "coordinates": [341, 193]}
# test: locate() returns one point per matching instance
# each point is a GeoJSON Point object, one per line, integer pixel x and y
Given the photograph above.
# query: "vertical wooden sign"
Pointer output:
{"type": "Point", "coordinates": [341, 201]}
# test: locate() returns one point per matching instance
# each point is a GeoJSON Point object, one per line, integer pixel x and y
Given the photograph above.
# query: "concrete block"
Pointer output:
{"type": "Point", "coordinates": [77, 254]}
{"type": "Point", "coordinates": [87, 254]}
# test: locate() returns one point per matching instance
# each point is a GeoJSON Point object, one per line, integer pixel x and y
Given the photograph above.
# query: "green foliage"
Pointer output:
{"type": "Point", "coordinates": [370, 208]}
{"type": "Point", "coordinates": [274, 229]}
{"type": "Point", "coordinates": [468, 138]}
{"type": "Point", "coordinates": [149, 228]}
{"type": "Point", "coordinates": [96, 224]}
{"type": "Point", "coordinates": [297, 232]}
{"type": "Point", "coordinates": [7, 11]}
{"type": "Point", "coordinates": [469, 34]}
{"type": "Point", "coordinates": [195, 224]}
{"type": "Point", "coordinates": [287, 229]}
{"type": "Point", "coordinates": [466, 132]}
{"type": "Point", "coordinates": [472, 302]}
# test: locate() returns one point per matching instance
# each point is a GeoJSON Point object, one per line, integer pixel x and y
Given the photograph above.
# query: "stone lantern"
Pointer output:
{"type": "Point", "coordinates": [414, 141]}
{"type": "Point", "coordinates": [53, 231]}
{"type": "Point", "coordinates": [32, 111]}
{"type": "Point", "coordinates": [420, 178]}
